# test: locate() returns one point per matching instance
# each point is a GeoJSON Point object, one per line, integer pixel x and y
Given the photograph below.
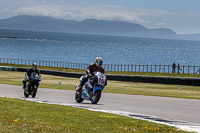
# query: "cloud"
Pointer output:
{"type": "Point", "coordinates": [80, 12]}
{"type": "Point", "coordinates": [43, 11]}
{"type": "Point", "coordinates": [161, 24]}
{"type": "Point", "coordinates": [5, 10]}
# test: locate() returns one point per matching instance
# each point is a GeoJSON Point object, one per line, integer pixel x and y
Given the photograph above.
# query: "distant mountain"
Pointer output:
{"type": "Point", "coordinates": [89, 26]}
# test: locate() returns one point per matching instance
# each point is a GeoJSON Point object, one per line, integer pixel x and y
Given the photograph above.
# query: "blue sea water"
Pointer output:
{"type": "Point", "coordinates": [82, 48]}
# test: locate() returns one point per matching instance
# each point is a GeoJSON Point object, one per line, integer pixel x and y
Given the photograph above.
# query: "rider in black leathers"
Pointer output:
{"type": "Point", "coordinates": [28, 74]}
{"type": "Point", "coordinates": [94, 67]}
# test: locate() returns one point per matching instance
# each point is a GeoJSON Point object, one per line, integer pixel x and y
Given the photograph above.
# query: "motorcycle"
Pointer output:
{"type": "Point", "coordinates": [92, 89]}
{"type": "Point", "coordinates": [31, 85]}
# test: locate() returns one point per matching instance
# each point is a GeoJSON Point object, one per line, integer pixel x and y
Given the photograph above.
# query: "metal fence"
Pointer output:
{"type": "Point", "coordinates": [185, 69]}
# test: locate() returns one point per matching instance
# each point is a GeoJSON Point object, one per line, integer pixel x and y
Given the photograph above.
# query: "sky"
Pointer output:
{"type": "Point", "coordinates": [182, 16]}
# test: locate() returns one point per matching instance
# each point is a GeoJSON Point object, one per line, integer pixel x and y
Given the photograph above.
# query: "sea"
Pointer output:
{"type": "Point", "coordinates": [84, 48]}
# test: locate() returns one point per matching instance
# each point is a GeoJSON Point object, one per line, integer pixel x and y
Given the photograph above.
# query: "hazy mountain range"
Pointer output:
{"type": "Point", "coordinates": [90, 26]}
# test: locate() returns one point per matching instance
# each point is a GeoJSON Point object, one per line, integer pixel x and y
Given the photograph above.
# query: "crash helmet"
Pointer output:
{"type": "Point", "coordinates": [99, 61]}
{"type": "Point", "coordinates": [34, 66]}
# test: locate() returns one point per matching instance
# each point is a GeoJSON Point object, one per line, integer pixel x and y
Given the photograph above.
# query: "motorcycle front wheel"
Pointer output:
{"type": "Point", "coordinates": [96, 97]}
{"type": "Point", "coordinates": [78, 97]}
{"type": "Point", "coordinates": [25, 94]}
{"type": "Point", "coordinates": [34, 91]}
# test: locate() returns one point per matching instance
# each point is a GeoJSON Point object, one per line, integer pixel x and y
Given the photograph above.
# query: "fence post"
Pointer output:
{"type": "Point", "coordinates": [139, 68]}
{"type": "Point", "coordinates": [155, 68]}
{"type": "Point", "coordinates": [164, 69]}
{"type": "Point", "coordinates": [194, 70]}
{"type": "Point", "coordinates": [183, 69]}
{"type": "Point", "coordinates": [188, 69]}
{"type": "Point", "coordinates": [168, 68]}
{"type": "Point", "coordinates": [199, 70]}
{"type": "Point", "coordinates": [132, 68]}
{"type": "Point", "coordinates": [135, 68]}
{"type": "Point", "coordinates": [118, 67]}
{"type": "Point", "coordinates": [159, 68]}
{"type": "Point", "coordinates": [128, 68]}
{"type": "Point", "coordinates": [151, 69]}
{"type": "Point", "coordinates": [142, 68]}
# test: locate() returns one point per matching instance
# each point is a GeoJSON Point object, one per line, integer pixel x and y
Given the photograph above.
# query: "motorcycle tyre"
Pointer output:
{"type": "Point", "coordinates": [25, 94]}
{"type": "Point", "coordinates": [33, 94]}
{"type": "Point", "coordinates": [97, 98]}
{"type": "Point", "coordinates": [78, 97]}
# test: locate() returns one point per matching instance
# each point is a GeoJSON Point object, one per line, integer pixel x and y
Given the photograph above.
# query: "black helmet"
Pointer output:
{"type": "Point", "coordinates": [34, 66]}
{"type": "Point", "coordinates": [99, 61]}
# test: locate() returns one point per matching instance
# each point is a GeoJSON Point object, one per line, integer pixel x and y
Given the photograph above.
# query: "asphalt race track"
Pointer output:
{"type": "Point", "coordinates": [184, 113]}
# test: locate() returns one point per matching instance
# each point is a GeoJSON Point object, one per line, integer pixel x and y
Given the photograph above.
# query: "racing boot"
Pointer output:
{"type": "Point", "coordinates": [24, 84]}
{"type": "Point", "coordinates": [79, 88]}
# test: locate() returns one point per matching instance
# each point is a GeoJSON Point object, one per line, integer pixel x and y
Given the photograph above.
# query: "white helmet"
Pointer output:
{"type": "Point", "coordinates": [99, 61]}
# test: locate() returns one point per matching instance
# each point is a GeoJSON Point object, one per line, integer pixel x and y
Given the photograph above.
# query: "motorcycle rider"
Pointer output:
{"type": "Point", "coordinates": [94, 67]}
{"type": "Point", "coordinates": [28, 74]}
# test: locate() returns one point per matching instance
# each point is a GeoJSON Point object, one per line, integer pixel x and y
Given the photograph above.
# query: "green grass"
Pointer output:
{"type": "Point", "coordinates": [108, 72]}
{"type": "Point", "coordinates": [132, 88]}
{"type": "Point", "coordinates": [24, 116]}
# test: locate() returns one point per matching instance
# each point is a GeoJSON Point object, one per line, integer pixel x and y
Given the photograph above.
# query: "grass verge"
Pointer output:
{"type": "Point", "coordinates": [132, 88]}
{"type": "Point", "coordinates": [24, 116]}
{"type": "Point", "coordinates": [108, 72]}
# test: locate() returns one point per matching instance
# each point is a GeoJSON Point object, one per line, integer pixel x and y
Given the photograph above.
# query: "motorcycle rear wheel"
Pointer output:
{"type": "Point", "coordinates": [96, 97]}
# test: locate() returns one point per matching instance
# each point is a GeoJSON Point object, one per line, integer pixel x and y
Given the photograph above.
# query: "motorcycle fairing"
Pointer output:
{"type": "Point", "coordinates": [85, 94]}
{"type": "Point", "coordinates": [97, 88]}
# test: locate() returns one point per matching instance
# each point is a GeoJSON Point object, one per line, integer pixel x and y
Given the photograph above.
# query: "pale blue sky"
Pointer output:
{"type": "Point", "coordinates": [182, 16]}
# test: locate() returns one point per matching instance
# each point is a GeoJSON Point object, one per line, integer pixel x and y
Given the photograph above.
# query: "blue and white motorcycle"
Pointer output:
{"type": "Point", "coordinates": [92, 89]}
